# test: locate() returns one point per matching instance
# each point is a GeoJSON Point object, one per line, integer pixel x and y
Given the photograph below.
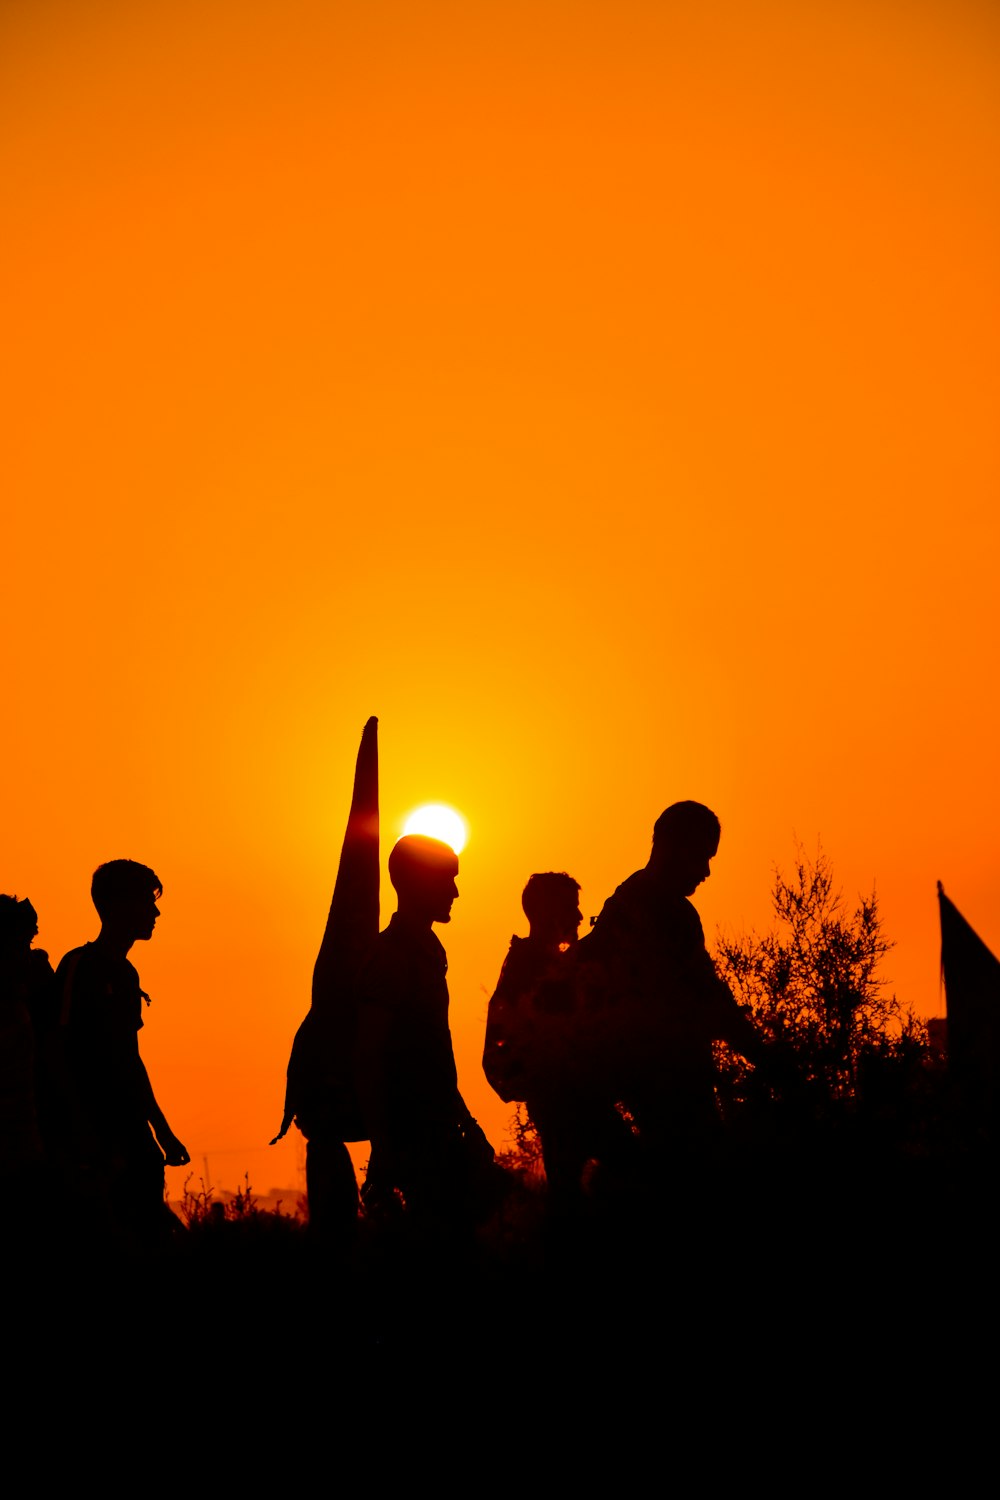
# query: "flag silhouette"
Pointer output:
{"type": "Point", "coordinates": [320, 1093]}
{"type": "Point", "coordinates": [972, 993]}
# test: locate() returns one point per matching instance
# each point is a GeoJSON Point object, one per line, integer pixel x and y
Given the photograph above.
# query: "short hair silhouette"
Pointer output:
{"type": "Point", "coordinates": [686, 823]}
{"type": "Point", "coordinates": [122, 880]}
{"type": "Point", "coordinates": [415, 856]}
{"type": "Point", "coordinates": [18, 920]}
{"type": "Point", "coordinates": [546, 890]}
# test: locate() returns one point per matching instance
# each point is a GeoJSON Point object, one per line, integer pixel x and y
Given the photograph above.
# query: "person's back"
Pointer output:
{"type": "Point", "coordinates": [100, 1004]}
{"type": "Point", "coordinates": [114, 1162]}
{"type": "Point", "coordinates": [530, 989]}
{"type": "Point", "coordinates": [405, 994]}
{"type": "Point", "coordinates": [425, 1144]}
{"type": "Point", "coordinates": [652, 950]}
{"type": "Point", "coordinates": [667, 1005]}
{"type": "Point", "coordinates": [535, 1047]}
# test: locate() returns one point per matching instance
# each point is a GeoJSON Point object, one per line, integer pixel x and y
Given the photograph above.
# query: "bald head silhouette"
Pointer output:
{"type": "Point", "coordinates": [685, 841]}
{"type": "Point", "coordinates": [423, 871]}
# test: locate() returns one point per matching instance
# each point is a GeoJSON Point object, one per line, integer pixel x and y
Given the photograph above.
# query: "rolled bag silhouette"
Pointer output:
{"type": "Point", "coordinates": [320, 1092]}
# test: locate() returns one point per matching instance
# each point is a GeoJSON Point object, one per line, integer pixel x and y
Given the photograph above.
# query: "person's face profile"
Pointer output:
{"type": "Point", "coordinates": [695, 865]}
{"type": "Point", "coordinates": [142, 912]}
{"type": "Point", "coordinates": [572, 916]}
{"type": "Point", "coordinates": [424, 879]}
{"type": "Point", "coordinates": [684, 866]}
{"type": "Point", "coordinates": [442, 892]}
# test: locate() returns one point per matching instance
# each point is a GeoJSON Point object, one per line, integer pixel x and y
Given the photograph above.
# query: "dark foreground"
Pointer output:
{"type": "Point", "coordinates": [790, 1275]}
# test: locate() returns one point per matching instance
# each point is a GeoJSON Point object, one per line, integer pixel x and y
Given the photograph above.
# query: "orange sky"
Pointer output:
{"type": "Point", "coordinates": [603, 396]}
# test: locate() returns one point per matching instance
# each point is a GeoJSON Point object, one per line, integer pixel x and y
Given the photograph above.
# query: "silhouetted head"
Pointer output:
{"type": "Point", "coordinates": [18, 923]}
{"type": "Point", "coordinates": [685, 840]}
{"type": "Point", "coordinates": [423, 871]}
{"type": "Point", "coordinates": [551, 903]}
{"type": "Point", "coordinates": [125, 894]}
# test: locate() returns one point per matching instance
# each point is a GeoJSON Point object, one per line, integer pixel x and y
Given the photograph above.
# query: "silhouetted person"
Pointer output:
{"type": "Point", "coordinates": [19, 922]}
{"type": "Point", "coordinates": [531, 1050]}
{"type": "Point", "coordinates": [425, 1144]}
{"type": "Point", "coordinates": [25, 979]}
{"type": "Point", "coordinates": [551, 902]}
{"type": "Point", "coordinates": [667, 1003]}
{"type": "Point", "coordinates": [114, 1157]}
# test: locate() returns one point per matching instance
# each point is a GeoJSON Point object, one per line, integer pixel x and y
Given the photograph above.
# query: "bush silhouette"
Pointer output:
{"type": "Point", "coordinates": [814, 987]}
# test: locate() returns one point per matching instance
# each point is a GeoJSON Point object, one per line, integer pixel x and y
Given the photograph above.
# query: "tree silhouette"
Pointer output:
{"type": "Point", "coordinates": [813, 985]}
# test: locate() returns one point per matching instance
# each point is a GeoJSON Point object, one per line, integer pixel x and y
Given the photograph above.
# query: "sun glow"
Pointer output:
{"type": "Point", "coordinates": [437, 821]}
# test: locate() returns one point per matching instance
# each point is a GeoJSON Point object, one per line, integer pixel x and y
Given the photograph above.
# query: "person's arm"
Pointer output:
{"type": "Point", "coordinates": [175, 1152]}
{"type": "Point", "coordinates": [473, 1133]}
{"type": "Point", "coordinates": [736, 1027]}
{"type": "Point", "coordinates": [726, 1019]}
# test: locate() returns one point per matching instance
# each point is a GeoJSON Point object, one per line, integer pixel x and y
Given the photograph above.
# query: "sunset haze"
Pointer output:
{"type": "Point", "coordinates": [604, 396]}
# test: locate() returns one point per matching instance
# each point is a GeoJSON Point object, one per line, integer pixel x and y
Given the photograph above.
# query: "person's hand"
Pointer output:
{"type": "Point", "coordinates": [479, 1149]}
{"type": "Point", "coordinates": [174, 1151]}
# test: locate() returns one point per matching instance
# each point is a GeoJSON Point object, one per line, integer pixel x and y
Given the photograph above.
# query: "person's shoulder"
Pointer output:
{"type": "Point", "coordinates": [523, 963]}
{"type": "Point", "coordinates": [80, 983]}
{"type": "Point", "coordinates": [91, 970]}
{"type": "Point", "coordinates": [636, 887]}
{"type": "Point", "coordinates": [73, 957]}
{"type": "Point", "coordinates": [632, 896]}
{"type": "Point", "coordinates": [392, 940]}
{"type": "Point", "coordinates": [387, 959]}
{"type": "Point", "coordinates": [78, 966]}
{"type": "Point", "coordinates": [516, 951]}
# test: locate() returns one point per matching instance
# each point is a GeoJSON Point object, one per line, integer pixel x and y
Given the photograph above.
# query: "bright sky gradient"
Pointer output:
{"type": "Point", "coordinates": [603, 394]}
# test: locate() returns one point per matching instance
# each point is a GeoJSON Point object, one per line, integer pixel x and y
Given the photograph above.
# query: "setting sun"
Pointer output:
{"type": "Point", "coordinates": [438, 822]}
